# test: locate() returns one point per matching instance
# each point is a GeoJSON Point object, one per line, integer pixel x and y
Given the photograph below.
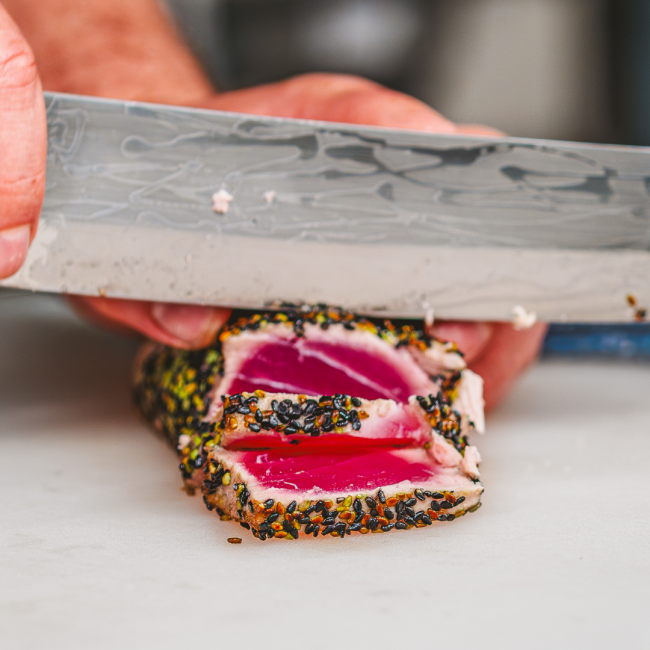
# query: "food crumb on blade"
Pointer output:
{"type": "Point", "coordinates": [522, 319]}
{"type": "Point", "coordinates": [221, 201]}
{"type": "Point", "coordinates": [269, 196]}
{"type": "Point", "coordinates": [234, 540]}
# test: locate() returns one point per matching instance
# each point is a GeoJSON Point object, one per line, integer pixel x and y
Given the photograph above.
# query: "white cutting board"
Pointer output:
{"type": "Point", "coordinates": [101, 549]}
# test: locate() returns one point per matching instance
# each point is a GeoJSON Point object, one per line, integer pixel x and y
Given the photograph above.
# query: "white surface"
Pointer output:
{"type": "Point", "coordinates": [101, 549]}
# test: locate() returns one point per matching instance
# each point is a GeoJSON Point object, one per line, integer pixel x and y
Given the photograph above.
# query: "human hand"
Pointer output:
{"type": "Point", "coordinates": [145, 60]}
{"type": "Point", "coordinates": [496, 351]}
{"type": "Point", "coordinates": [23, 144]}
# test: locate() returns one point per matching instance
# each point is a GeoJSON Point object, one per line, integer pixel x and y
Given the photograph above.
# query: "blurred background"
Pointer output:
{"type": "Point", "coordinates": [566, 69]}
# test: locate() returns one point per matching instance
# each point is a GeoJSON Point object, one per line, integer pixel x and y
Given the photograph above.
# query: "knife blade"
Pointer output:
{"type": "Point", "coordinates": [380, 221]}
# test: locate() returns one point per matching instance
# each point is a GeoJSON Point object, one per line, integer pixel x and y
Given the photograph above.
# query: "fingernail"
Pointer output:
{"type": "Point", "coordinates": [193, 325]}
{"type": "Point", "coordinates": [13, 249]}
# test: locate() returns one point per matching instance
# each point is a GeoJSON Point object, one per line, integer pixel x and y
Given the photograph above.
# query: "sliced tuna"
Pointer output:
{"type": "Point", "coordinates": [378, 490]}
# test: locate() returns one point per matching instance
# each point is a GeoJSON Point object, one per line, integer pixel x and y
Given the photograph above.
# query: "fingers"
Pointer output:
{"type": "Point", "coordinates": [23, 145]}
{"type": "Point", "coordinates": [334, 98]}
{"type": "Point", "coordinates": [478, 129]}
{"type": "Point", "coordinates": [183, 326]}
{"type": "Point", "coordinates": [505, 356]}
{"type": "Point", "coordinates": [496, 351]}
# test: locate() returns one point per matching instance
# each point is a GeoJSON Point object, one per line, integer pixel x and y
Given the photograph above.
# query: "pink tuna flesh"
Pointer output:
{"type": "Point", "coordinates": [340, 472]}
{"type": "Point", "coordinates": [321, 368]}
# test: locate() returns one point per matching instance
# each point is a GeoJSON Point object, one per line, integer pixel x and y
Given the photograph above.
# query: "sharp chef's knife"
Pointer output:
{"type": "Point", "coordinates": [379, 221]}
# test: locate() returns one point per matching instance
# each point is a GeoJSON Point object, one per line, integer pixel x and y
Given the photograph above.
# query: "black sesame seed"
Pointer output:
{"type": "Point", "coordinates": [274, 405]}
{"type": "Point", "coordinates": [382, 497]}
{"type": "Point", "coordinates": [410, 512]}
{"type": "Point", "coordinates": [253, 426]}
{"type": "Point", "coordinates": [435, 506]}
{"type": "Point", "coordinates": [354, 528]}
{"type": "Point", "coordinates": [295, 411]}
{"type": "Point", "coordinates": [309, 426]}
{"type": "Point", "coordinates": [388, 527]}
{"type": "Point", "coordinates": [427, 520]}
{"type": "Point", "coordinates": [358, 517]}
{"type": "Point", "coordinates": [291, 507]}
{"type": "Point", "coordinates": [340, 528]}
{"type": "Point", "coordinates": [459, 500]}
{"type": "Point", "coordinates": [388, 513]}
{"type": "Point", "coordinates": [328, 521]}
{"type": "Point", "coordinates": [273, 421]}
{"type": "Point", "coordinates": [310, 407]}
{"type": "Point", "coordinates": [264, 527]}
{"type": "Point", "coordinates": [446, 504]}
{"type": "Point", "coordinates": [356, 425]}
{"type": "Point", "coordinates": [373, 523]}
{"type": "Point", "coordinates": [419, 494]}
{"type": "Point", "coordinates": [258, 416]}
{"type": "Point", "coordinates": [427, 493]}
{"type": "Point", "coordinates": [437, 495]}
{"type": "Point", "coordinates": [309, 510]}
{"type": "Point", "coordinates": [327, 530]}
{"type": "Point", "coordinates": [320, 505]}
{"type": "Point", "coordinates": [269, 503]}
{"type": "Point", "coordinates": [244, 409]}
{"type": "Point", "coordinates": [271, 518]}
{"type": "Point", "coordinates": [418, 515]}
{"type": "Point", "coordinates": [245, 524]}
{"type": "Point", "coordinates": [304, 520]}
{"type": "Point", "coordinates": [370, 502]}
{"type": "Point", "coordinates": [308, 528]}
{"type": "Point", "coordinates": [409, 520]}
{"type": "Point", "coordinates": [400, 525]}
{"type": "Point", "coordinates": [357, 505]}
{"type": "Point", "coordinates": [411, 502]}
{"type": "Point", "coordinates": [356, 401]}
{"type": "Point", "coordinates": [250, 507]}
{"type": "Point", "coordinates": [316, 529]}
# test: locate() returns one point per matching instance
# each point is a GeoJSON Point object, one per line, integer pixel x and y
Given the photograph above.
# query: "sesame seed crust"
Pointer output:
{"type": "Point", "coordinates": [226, 491]}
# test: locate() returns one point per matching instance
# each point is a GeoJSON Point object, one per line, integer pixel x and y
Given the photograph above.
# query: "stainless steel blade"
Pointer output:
{"type": "Point", "coordinates": [376, 220]}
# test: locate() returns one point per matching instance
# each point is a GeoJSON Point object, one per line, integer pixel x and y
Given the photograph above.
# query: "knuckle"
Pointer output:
{"type": "Point", "coordinates": [17, 64]}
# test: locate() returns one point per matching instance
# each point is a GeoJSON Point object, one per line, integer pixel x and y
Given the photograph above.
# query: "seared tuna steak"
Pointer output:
{"type": "Point", "coordinates": [316, 406]}
{"type": "Point", "coordinates": [379, 490]}
{"type": "Point", "coordinates": [316, 352]}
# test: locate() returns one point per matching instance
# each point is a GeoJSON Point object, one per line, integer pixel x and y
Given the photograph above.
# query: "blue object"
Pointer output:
{"type": "Point", "coordinates": [626, 341]}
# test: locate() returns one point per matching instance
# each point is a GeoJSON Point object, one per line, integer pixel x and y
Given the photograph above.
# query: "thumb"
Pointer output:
{"type": "Point", "coordinates": [23, 143]}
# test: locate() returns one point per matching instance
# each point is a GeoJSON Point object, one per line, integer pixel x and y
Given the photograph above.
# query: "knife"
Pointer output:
{"type": "Point", "coordinates": [380, 221]}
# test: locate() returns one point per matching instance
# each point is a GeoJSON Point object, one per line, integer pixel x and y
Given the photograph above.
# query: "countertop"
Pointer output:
{"type": "Point", "coordinates": [100, 548]}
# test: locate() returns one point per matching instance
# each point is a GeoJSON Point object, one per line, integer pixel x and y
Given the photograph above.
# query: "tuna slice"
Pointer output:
{"type": "Point", "coordinates": [319, 405]}
{"type": "Point", "coordinates": [262, 420]}
{"type": "Point", "coordinates": [379, 490]}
